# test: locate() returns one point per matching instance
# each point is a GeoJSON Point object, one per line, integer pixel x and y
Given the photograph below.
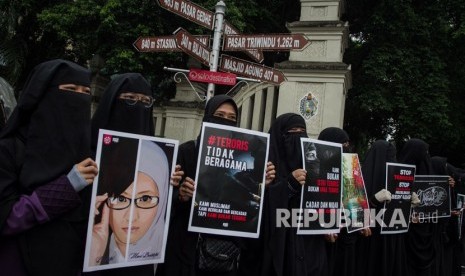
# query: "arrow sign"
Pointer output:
{"type": "Point", "coordinates": [164, 43]}
{"type": "Point", "coordinates": [254, 54]}
{"type": "Point", "coordinates": [191, 46]}
{"type": "Point", "coordinates": [190, 11]}
{"type": "Point", "coordinates": [265, 42]}
{"type": "Point", "coordinates": [212, 77]}
{"type": "Point", "coordinates": [251, 70]}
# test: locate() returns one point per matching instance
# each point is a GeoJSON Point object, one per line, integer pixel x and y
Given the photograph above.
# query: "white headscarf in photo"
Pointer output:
{"type": "Point", "coordinates": [154, 163]}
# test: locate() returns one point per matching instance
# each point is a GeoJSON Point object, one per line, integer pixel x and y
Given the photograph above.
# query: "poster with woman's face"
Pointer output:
{"type": "Point", "coordinates": [130, 201]}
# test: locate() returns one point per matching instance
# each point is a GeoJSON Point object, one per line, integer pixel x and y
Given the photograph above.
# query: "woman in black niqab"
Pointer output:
{"type": "Point", "coordinates": [115, 114]}
{"type": "Point", "coordinates": [181, 245]}
{"type": "Point", "coordinates": [420, 248]}
{"type": "Point", "coordinates": [385, 254]}
{"type": "Point", "coordinates": [51, 123]}
{"type": "Point", "coordinates": [447, 243]}
{"type": "Point", "coordinates": [42, 219]}
{"type": "Point", "coordinates": [285, 252]}
{"type": "Point", "coordinates": [341, 253]}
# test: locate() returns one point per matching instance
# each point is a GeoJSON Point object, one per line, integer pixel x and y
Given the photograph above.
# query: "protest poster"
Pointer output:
{"type": "Point", "coordinates": [354, 195]}
{"type": "Point", "coordinates": [230, 179]}
{"type": "Point", "coordinates": [320, 201]}
{"type": "Point", "coordinates": [459, 207]}
{"type": "Point", "coordinates": [434, 194]}
{"type": "Point", "coordinates": [396, 213]}
{"type": "Point", "coordinates": [130, 204]}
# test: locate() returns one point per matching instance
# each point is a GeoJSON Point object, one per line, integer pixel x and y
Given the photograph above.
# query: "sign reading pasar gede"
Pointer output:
{"type": "Point", "coordinates": [190, 11]}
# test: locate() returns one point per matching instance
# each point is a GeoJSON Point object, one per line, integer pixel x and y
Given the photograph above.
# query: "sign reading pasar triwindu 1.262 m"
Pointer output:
{"type": "Point", "coordinates": [233, 40]}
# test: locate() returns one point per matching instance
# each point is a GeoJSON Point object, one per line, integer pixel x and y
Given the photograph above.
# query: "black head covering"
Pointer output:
{"type": "Point", "coordinates": [374, 166]}
{"type": "Point", "coordinates": [114, 114]}
{"type": "Point", "coordinates": [53, 124]}
{"type": "Point", "coordinates": [212, 106]}
{"type": "Point", "coordinates": [415, 152]}
{"type": "Point", "coordinates": [334, 134]}
{"type": "Point", "coordinates": [439, 165]}
{"type": "Point", "coordinates": [285, 148]}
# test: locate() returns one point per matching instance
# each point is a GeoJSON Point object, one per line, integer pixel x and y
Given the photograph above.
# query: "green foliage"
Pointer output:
{"type": "Point", "coordinates": [405, 58]}
{"type": "Point", "coordinates": [79, 29]}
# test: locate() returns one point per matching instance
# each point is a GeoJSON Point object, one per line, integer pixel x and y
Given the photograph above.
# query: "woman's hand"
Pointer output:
{"type": "Point", "coordinates": [366, 232]}
{"type": "Point", "coordinates": [186, 189]}
{"type": "Point", "coordinates": [331, 238]}
{"type": "Point", "coordinates": [88, 169]}
{"type": "Point", "coordinates": [177, 176]}
{"type": "Point", "coordinates": [100, 231]}
{"type": "Point", "coordinates": [300, 175]}
{"type": "Point", "coordinates": [270, 173]}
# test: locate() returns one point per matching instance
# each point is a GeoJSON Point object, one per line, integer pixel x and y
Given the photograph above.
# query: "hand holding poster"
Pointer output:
{"type": "Point", "coordinates": [321, 194]}
{"type": "Point", "coordinates": [354, 195]}
{"type": "Point", "coordinates": [399, 182]}
{"type": "Point", "coordinates": [434, 194]}
{"type": "Point", "coordinates": [230, 178]}
{"type": "Point", "coordinates": [130, 201]}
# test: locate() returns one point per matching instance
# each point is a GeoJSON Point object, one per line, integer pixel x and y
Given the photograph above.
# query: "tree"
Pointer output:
{"type": "Point", "coordinates": [79, 29]}
{"type": "Point", "coordinates": [402, 82]}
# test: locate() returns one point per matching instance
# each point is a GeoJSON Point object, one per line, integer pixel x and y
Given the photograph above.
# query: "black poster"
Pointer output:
{"type": "Point", "coordinates": [399, 181]}
{"type": "Point", "coordinates": [230, 179]}
{"type": "Point", "coordinates": [434, 194]}
{"type": "Point", "coordinates": [321, 194]}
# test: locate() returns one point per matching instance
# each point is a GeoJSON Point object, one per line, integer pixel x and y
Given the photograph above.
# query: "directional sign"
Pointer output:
{"type": "Point", "coordinates": [164, 43]}
{"type": "Point", "coordinates": [265, 42]}
{"type": "Point", "coordinates": [254, 54]}
{"type": "Point", "coordinates": [251, 70]}
{"type": "Point", "coordinates": [192, 46]}
{"type": "Point", "coordinates": [190, 11]}
{"type": "Point", "coordinates": [212, 77]}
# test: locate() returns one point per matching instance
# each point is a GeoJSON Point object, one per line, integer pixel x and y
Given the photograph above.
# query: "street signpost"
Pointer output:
{"type": "Point", "coordinates": [199, 75]}
{"type": "Point", "coordinates": [251, 70]}
{"type": "Point", "coordinates": [164, 43]}
{"type": "Point", "coordinates": [254, 54]}
{"type": "Point", "coordinates": [233, 40]}
{"type": "Point", "coordinates": [190, 11]}
{"type": "Point", "coordinates": [191, 46]}
{"type": "Point", "coordinates": [265, 42]}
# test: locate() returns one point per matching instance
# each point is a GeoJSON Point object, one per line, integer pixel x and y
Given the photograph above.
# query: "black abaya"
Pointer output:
{"type": "Point", "coordinates": [383, 255]}
{"type": "Point", "coordinates": [419, 241]}
{"type": "Point", "coordinates": [285, 252]}
{"type": "Point", "coordinates": [181, 246]}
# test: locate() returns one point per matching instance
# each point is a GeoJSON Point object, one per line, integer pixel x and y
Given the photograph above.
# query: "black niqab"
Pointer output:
{"type": "Point", "coordinates": [213, 104]}
{"type": "Point", "coordinates": [285, 148]}
{"type": "Point", "coordinates": [114, 114]}
{"type": "Point", "coordinates": [53, 124]}
{"type": "Point", "coordinates": [415, 152]}
{"type": "Point", "coordinates": [374, 165]}
{"type": "Point", "coordinates": [334, 134]}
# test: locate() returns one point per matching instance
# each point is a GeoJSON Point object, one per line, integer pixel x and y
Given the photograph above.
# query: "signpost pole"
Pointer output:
{"type": "Point", "coordinates": [220, 9]}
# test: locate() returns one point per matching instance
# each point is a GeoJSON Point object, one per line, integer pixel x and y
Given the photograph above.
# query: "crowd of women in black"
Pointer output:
{"type": "Point", "coordinates": [47, 148]}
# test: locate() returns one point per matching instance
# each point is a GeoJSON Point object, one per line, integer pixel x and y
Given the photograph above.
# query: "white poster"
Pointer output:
{"type": "Point", "coordinates": [130, 209]}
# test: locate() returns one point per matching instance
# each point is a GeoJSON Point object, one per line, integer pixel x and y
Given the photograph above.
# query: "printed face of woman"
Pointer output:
{"type": "Point", "coordinates": [142, 218]}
